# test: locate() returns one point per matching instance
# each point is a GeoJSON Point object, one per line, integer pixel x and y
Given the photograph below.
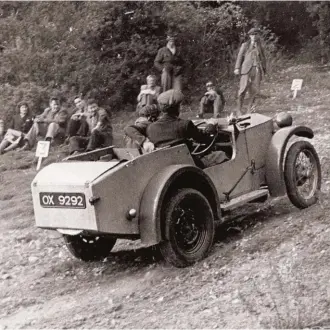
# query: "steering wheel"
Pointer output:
{"type": "Point", "coordinates": [208, 147]}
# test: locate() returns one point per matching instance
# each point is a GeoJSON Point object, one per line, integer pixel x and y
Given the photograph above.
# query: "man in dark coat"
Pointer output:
{"type": "Point", "coordinates": [251, 66]}
{"type": "Point", "coordinates": [170, 63]}
{"type": "Point", "coordinates": [169, 128]}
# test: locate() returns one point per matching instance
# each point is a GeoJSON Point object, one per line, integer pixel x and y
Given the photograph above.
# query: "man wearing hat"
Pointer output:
{"type": "Point", "coordinates": [169, 63]}
{"type": "Point", "coordinates": [251, 66]}
{"type": "Point", "coordinates": [169, 128]}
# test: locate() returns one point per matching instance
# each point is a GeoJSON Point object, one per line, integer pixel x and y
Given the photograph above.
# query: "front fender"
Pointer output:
{"type": "Point", "coordinates": [158, 188]}
{"type": "Point", "coordinates": [275, 155]}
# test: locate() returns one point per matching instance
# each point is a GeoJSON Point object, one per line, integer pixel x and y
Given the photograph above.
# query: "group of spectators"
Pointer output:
{"type": "Point", "coordinates": [88, 126]}
{"type": "Point", "coordinates": [85, 128]}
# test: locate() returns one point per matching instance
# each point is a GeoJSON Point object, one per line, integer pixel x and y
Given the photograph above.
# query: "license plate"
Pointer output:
{"type": "Point", "coordinates": [64, 200]}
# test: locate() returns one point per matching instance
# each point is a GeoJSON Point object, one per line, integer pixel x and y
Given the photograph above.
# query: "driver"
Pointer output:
{"type": "Point", "coordinates": [169, 128]}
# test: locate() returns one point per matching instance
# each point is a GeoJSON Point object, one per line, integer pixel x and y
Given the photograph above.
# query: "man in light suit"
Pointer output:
{"type": "Point", "coordinates": [251, 66]}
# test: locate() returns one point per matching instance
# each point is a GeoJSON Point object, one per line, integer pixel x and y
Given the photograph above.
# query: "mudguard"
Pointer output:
{"type": "Point", "coordinates": [158, 189]}
{"type": "Point", "coordinates": [275, 155]}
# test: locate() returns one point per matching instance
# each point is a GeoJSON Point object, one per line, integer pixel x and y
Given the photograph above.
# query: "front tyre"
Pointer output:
{"type": "Point", "coordinates": [89, 248]}
{"type": "Point", "coordinates": [302, 174]}
{"type": "Point", "coordinates": [189, 228]}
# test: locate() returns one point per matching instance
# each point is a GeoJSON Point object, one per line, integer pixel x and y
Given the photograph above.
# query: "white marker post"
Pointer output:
{"type": "Point", "coordinates": [42, 151]}
{"type": "Point", "coordinates": [296, 86]}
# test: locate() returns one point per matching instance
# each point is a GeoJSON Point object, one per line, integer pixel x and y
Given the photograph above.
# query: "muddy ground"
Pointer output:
{"type": "Point", "coordinates": [268, 267]}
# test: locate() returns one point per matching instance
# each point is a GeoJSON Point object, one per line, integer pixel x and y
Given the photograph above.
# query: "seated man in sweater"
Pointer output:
{"type": "Point", "coordinates": [50, 124]}
{"type": "Point", "coordinates": [19, 125]}
{"type": "Point", "coordinates": [212, 101]}
{"type": "Point", "coordinates": [95, 131]}
{"type": "Point", "coordinates": [148, 94]}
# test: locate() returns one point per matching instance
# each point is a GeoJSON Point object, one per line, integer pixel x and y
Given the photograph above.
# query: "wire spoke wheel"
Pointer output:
{"type": "Point", "coordinates": [302, 174]}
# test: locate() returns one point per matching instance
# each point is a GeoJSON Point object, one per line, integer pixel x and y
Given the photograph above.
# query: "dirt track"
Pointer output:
{"type": "Point", "coordinates": [268, 267]}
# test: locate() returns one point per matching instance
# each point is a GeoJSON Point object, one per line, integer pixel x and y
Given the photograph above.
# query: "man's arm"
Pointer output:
{"type": "Point", "coordinates": [137, 133]}
{"type": "Point", "coordinates": [61, 118]}
{"type": "Point", "coordinates": [240, 57]}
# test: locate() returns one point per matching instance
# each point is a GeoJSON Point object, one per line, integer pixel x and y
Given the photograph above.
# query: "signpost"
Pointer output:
{"type": "Point", "coordinates": [296, 86]}
{"type": "Point", "coordinates": [42, 151]}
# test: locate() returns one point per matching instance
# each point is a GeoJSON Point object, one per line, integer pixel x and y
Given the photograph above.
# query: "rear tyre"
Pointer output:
{"type": "Point", "coordinates": [302, 174]}
{"type": "Point", "coordinates": [89, 248]}
{"type": "Point", "coordinates": [189, 228]}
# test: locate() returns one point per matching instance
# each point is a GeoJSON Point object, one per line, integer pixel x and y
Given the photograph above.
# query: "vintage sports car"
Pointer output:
{"type": "Point", "coordinates": [164, 198]}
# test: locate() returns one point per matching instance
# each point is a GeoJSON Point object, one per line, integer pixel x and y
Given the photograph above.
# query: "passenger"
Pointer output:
{"type": "Point", "coordinates": [212, 101]}
{"type": "Point", "coordinates": [50, 124]}
{"type": "Point", "coordinates": [75, 120]}
{"type": "Point", "coordinates": [135, 135]}
{"type": "Point", "coordinates": [169, 128]}
{"type": "Point", "coordinates": [19, 125]}
{"type": "Point", "coordinates": [148, 94]}
{"type": "Point", "coordinates": [95, 132]}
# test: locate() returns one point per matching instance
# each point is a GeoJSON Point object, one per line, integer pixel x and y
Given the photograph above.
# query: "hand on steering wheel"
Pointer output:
{"type": "Point", "coordinates": [206, 147]}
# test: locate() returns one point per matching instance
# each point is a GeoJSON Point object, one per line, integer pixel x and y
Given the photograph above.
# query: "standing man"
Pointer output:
{"type": "Point", "coordinates": [50, 124]}
{"type": "Point", "coordinates": [251, 66]}
{"type": "Point", "coordinates": [170, 63]}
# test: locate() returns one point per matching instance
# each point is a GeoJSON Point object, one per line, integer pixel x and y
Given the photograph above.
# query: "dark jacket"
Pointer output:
{"type": "Point", "coordinates": [244, 60]}
{"type": "Point", "coordinates": [169, 129]}
{"type": "Point", "coordinates": [166, 59]}
{"type": "Point", "coordinates": [21, 124]}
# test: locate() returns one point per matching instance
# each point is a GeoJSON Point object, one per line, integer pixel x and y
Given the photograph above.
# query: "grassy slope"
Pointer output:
{"type": "Point", "coordinates": [268, 266]}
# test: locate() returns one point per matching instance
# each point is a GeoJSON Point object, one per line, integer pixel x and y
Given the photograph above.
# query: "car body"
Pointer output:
{"type": "Point", "coordinates": [116, 193]}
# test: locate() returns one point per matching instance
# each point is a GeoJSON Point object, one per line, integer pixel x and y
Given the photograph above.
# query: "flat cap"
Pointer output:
{"type": "Point", "coordinates": [170, 97]}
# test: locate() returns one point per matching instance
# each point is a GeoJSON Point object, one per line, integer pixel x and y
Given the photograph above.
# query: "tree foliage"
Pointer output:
{"type": "Point", "coordinates": [106, 49]}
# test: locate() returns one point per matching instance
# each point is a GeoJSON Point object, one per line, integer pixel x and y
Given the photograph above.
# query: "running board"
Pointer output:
{"type": "Point", "coordinates": [243, 199]}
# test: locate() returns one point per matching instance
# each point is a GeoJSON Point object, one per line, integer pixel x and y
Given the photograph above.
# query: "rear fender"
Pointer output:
{"type": "Point", "coordinates": [160, 187]}
{"type": "Point", "coordinates": [275, 157]}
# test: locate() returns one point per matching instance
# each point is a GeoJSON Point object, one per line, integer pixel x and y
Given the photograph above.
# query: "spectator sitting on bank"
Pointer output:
{"type": "Point", "coordinates": [19, 125]}
{"type": "Point", "coordinates": [50, 124]}
{"type": "Point", "coordinates": [95, 131]}
{"type": "Point", "coordinates": [75, 120]}
{"type": "Point", "coordinates": [212, 101]}
{"type": "Point", "coordinates": [148, 94]}
{"type": "Point", "coordinates": [150, 113]}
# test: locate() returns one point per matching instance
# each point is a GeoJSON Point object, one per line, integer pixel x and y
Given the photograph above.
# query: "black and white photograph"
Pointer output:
{"type": "Point", "coordinates": [164, 164]}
